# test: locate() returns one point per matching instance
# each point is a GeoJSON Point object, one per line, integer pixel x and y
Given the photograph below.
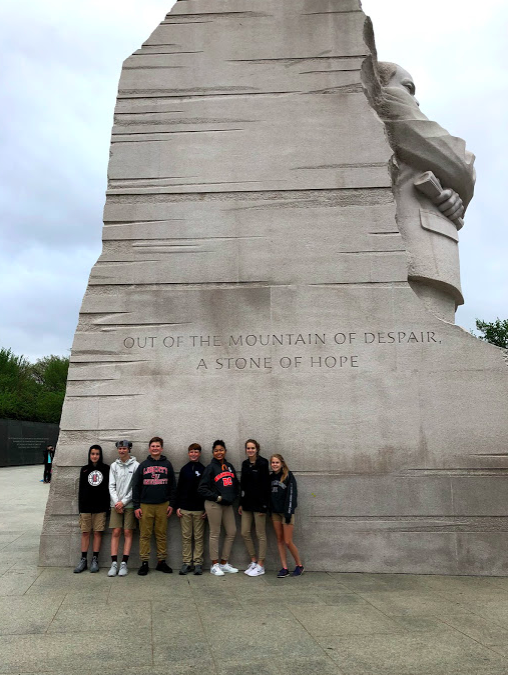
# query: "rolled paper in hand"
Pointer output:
{"type": "Point", "coordinates": [429, 185]}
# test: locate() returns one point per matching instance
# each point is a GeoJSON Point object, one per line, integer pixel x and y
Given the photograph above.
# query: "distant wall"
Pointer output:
{"type": "Point", "coordinates": [24, 442]}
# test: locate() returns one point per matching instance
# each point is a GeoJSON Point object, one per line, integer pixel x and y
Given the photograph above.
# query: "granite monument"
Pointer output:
{"type": "Point", "coordinates": [280, 261]}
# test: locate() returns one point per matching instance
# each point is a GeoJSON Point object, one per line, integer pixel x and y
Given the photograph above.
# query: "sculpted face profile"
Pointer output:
{"type": "Point", "coordinates": [434, 184]}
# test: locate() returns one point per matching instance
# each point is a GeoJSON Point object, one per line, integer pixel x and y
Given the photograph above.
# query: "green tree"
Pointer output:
{"type": "Point", "coordinates": [29, 391]}
{"type": "Point", "coordinates": [50, 373]}
{"type": "Point", "coordinates": [18, 390]}
{"type": "Point", "coordinates": [496, 332]}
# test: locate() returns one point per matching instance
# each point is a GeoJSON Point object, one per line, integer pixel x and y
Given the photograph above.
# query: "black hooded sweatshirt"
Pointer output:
{"type": "Point", "coordinates": [93, 495]}
{"type": "Point", "coordinates": [255, 485]}
{"type": "Point", "coordinates": [219, 479]}
{"type": "Point", "coordinates": [154, 482]}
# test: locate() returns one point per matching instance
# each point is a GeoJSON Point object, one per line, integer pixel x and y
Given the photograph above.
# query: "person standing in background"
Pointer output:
{"type": "Point", "coordinates": [48, 455]}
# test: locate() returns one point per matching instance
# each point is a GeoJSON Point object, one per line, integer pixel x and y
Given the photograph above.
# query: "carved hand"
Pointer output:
{"type": "Point", "coordinates": [447, 201]}
{"type": "Point", "coordinates": [450, 204]}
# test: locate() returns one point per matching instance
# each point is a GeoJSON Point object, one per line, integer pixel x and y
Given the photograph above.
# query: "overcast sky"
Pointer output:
{"type": "Point", "coordinates": [61, 62]}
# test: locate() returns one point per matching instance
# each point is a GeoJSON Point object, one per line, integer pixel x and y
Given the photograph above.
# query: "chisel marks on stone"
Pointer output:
{"type": "Point", "coordinates": [265, 198]}
{"type": "Point", "coordinates": [342, 89]}
{"type": "Point", "coordinates": [360, 165]}
{"type": "Point", "coordinates": [335, 11]}
{"type": "Point", "coordinates": [184, 18]}
{"type": "Point", "coordinates": [290, 61]}
{"type": "Point", "coordinates": [194, 91]}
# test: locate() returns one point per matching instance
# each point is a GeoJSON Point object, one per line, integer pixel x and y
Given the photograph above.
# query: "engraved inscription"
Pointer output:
{"type": "Point", "coordinates": [333, 359]}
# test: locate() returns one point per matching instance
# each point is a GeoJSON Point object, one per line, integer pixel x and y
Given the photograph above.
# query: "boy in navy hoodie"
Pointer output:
{"type": "Point", "coordinates": [153, 497]}
{"type": "Point", "coordinates": [93, 500]}
{"type": "Point", "coordinates": [190, 508]}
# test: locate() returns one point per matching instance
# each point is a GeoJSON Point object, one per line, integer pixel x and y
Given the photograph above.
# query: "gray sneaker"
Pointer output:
{"type": "Point", "coordinates": [185, 569]}
{"type": "Point", "coordinates": [81, 566]}
{"type": "Point", "coordinates": [123, 570]}
{"type": "Point", "coordinates": [94, 567]}
{"type": "Point", "coordinates": [198, 570]}
{"type": "Point", "coordinates": [113, 570]}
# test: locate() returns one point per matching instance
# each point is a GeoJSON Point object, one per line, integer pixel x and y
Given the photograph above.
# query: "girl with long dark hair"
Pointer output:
{"type": "Point", "coordinates": [254, 505]}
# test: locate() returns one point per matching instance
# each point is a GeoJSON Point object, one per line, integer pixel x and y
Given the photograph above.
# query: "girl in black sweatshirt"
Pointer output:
{"type": "Point", "coordinates": [254, 504]}
{"type": "Point", "coordinates": [283, 505]}
{"type": "Point", "coordinates": [220, 488]}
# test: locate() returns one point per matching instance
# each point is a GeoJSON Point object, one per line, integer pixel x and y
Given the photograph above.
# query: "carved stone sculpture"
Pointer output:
{"type": "Point", "coordinates": [254, 283]}
{"type": "Point", "coordinates": [429, 225]}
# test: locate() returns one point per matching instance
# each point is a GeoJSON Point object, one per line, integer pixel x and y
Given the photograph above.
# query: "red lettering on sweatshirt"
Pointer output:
{"type": "Point", "coordinates": [151, 475]}
{"type": "Point", "coordinates": [226, 477]}
{"type": "Point", "coordinates": [155, 469]}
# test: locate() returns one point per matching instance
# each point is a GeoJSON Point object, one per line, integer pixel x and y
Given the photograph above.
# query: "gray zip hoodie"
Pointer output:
{"type": "Point", "coordinates": [120, 481]}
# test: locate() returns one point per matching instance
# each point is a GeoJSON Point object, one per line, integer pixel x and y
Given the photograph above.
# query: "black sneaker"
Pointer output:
{"type": "Point", "coordinates": [162, 566]}
{"type": "Point", "coordinates": [198, 570]}
{"type": "Point", "coordinates": [81, 566]}
{"type": "Point", "coordinates": [299, 570]}
{"type": "Point", "coordinates": [284, 572]}
{"type": "Point", "coordinates": [185, 569]}
{"type": "Point", "coordinates": [144, 569]}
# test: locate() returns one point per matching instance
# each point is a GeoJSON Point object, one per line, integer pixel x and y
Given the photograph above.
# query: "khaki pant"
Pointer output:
{"type": "Point", "coordinates": [260, 525]}
{"type": "Point", "coordinates": [192, 523]}
{"type": "Point", "coordinates": [154, 519]}
{"type": "Point", "coordinates": [218, 514]}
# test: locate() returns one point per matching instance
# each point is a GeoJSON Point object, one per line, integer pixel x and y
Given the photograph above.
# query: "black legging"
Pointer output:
{"type": "Point", "coordinates": [47, 473]}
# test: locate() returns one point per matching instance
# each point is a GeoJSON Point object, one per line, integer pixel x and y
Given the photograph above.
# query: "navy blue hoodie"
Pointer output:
{"type": "Point", "coordinates": [187, 496]}
{"type": "Point", "coordinates": [284, 494]}
{"type": "Point", "coordinates": [154, 482]}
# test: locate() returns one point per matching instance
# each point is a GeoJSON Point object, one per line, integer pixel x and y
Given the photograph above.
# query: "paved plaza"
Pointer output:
{"type": "Point", "coordinates": [55, 622]}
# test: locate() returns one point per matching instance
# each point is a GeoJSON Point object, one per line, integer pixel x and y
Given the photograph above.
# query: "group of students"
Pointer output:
{"type": "Point", "coordinates": [147, 493]}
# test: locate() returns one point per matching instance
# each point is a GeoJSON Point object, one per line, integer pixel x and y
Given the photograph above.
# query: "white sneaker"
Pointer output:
{"type": "Point", "coordinates": [216, 569]}
{"type": "Point", "coordinates": [228, 568]}
{"type": "Point", "coordinates": [257, 571]}
{"type": "Point", "coordinates": [123, 572]}
{"type": "Point", "coordinates": [250, 568]}
{"type": "Point", "coordinates": [113, 570]}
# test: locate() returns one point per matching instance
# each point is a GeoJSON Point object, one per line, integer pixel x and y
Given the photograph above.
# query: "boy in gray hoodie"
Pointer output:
{"type": "Point", "coordinates": [122, 509]}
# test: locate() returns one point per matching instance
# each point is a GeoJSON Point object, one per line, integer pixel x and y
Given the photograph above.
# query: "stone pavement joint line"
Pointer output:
{"type": "Point", "coordinates": [53, 621]}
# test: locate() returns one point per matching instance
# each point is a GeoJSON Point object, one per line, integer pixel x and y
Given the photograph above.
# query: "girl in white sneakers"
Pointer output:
{"type": "Point", "coordinates": [254, 505]}
{"type": "Point", "coordinates": [219, 487]}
